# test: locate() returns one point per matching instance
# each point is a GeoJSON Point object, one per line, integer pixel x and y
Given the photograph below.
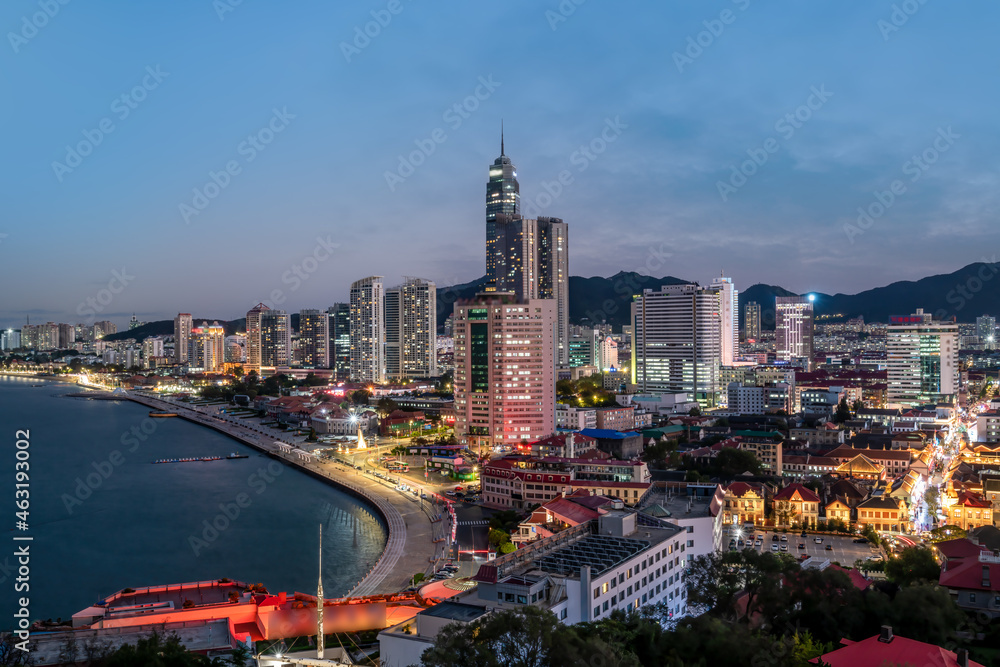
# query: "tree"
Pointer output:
{"type": "Point", "coordinates": [857, 407]}
{"type": "Point", "coordinates": [912, 565]}
{"type": "Point", "coordinates": [694, 412]}
{"type": "Point", "coordinates": [731, 462]}
{"type": "Point", "coordinates": [843, 412]}
{"type": "Point", "coordinates": [714, 581]}
{"type": "Point", "coordinates": [525, 637]}
{"type": "Point", "coordinates": [386, 406]}
{"type": "Point", "coordinates": [360, 397]}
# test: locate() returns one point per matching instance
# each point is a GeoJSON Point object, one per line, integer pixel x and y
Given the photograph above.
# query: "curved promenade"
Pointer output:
{"type": "Point", "coordinates": [410, 547]}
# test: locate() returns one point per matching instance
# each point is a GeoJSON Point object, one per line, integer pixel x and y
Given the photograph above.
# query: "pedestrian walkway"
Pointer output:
{"type": "Point", "coordinates": [473, 523]}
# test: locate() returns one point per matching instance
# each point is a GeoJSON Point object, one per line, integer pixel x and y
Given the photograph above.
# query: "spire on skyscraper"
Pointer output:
{"type": "Point", "coordinates": [501, 137]}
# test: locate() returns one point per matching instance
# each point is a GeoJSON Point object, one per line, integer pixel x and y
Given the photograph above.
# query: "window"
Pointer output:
{"type": "Point", "coordinates": [972, 597]}
{"type": "Point", "coordinates": [508, 597]}
{"type": "Point", "coordinates": [605, 605]}
{"type": "Point", "coordinates": [597, 611]}
{"type": "Point", "coordinates": [690, 543]}
{"type": "Point", "coordinates": [597, 592]}
{"type": "Point", "coordinates": [522, 599]}
{"type": "Point", "coordinates": [604, 588]}
{"type": "Point", "coordinates": [562, 615]}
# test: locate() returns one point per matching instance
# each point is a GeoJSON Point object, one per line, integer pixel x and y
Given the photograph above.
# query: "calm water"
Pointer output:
{"type": "Point", "coordinates": [136, 526]}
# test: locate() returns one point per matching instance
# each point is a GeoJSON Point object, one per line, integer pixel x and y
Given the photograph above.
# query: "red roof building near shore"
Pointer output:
{"type": "Point", "coordinates": [887, 649]}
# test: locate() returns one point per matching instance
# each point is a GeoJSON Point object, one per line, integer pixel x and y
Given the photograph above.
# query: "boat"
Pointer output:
{"type": "Point", "coordinates": [234, 455]}
{"type": "Point", "coordinates": [190, 459]}
{"type": "Point", "coordinates": [162, 414]}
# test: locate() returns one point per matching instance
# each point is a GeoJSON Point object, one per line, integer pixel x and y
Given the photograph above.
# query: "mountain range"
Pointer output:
{"type": "Point", "coordinates": [964, 294]}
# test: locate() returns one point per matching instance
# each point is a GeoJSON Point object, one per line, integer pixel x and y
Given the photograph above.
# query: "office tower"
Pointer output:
{"type": "Point", "coordinates": [986, 329]}
{"type": "Point", "coordinates": [182, 337]}
{"type": "Point", "coordinates": [206, 348]}
{"type": "Point", "coordinates": [504, 370]}
{"type": "Point", "coordinates": [67, 336]}
{"type": "Point", "coordinates": [751, 321]}
{"type": "Point", "coordinates": [583, 350]}
{"type": "Point", "coordinates": [677, 341]}
{"type": "Point", "coordinates": [368, 330]}
{"type": "Point", "coordinates": [152, 348]}
{"type": "Point", "coordinates": [922, 360]}
{"type": "Point", "coordinates": [29, 337]}
{"type": "Point", "coordinates": [104, 328]}
{"type": "Point", "coordinates": [730, 314]}
{"type": "Point", "coordinates": [340, 339]}
{"type": "Point", "coordinates": [532, 262]}
{"type": "Point", "coordinates": [11, 339]}
{"type": "Point", "coordinates": [216, 335]}
{"type": "Point", "coordinates": [608, 348]}
{"type": "Point", "coordinates": [794, 330]}
{"type": "Point", "coordinates": [253, 352]}
{"type": "Point", "coordinates": [410, 330]}
{"type": "Point", "coordinates": [314, 338]}
{"type": "Point", "coordinates": [503, 198]}
{"type": "Point", "coordinates": [275, 338]}
{"type": "Point", "coordinates": [235, 349]}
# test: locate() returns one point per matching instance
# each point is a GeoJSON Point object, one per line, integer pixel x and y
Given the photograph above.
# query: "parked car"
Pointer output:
{"type": "Point", "coordinates": [804, 534]}
{"type": "Point", "coordinates": [774, 538]}
{"type": "Point", "coordinates": [818, 540]}
{"type": "Point", "coordinates": [784, 538]}
{"type": "Point", "coordinates": [774, 547]}
{"type": "Point", "coordinates": [784, 547]}
{"type": "Point", "coordinates": [829, 547]}
{"type": "Point", "coordinates": [861, 540]}
{"type": "Point", "coordinates": [802, 545]}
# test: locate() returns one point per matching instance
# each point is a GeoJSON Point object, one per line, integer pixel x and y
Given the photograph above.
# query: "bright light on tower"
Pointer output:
{"type": "Point", "coordinates": [812, 297]}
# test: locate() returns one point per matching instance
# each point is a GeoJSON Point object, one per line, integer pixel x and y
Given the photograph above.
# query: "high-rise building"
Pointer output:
{"type": "Point", "coordinates": [532, 262]}
{"type": "Point", "coordinates": [235, 349]}
{"type": "Point", "coordinates": [134, 323]}
{"type": "Point", "coordinates": [584, 348]}
{"type": "Point", "coordinates": [340, 339]}
{"type": "Point", "coordinates": [314, 338]}
{"type": "Point", "coordinates": [677, 341]}
{"type": "Point", "coordinates": [794, 330]}
{"type": "Point", "coordinates": [411, 330]}
{"type": "Point", "coordinates": [504, 370]}
{"type": "Point", "coordinates": [29, 337]}
{"type": "Point", "coordinates": [182, 337]}
{"type": "Point", "coordinates": [11, 339]}
{"type": "Point", "coordinates": [730, 316]}
{"type": "Point", "coordinates": [104, 328]}
{"type": "Point", "coordinates": [368, 330]}
{"type": "Point", "coordinates": [67, 336]}
{"type": "Point", "coordinates": [503, 198]}
{"type": "Point", "coordinates": [275, 338]}
{"type": "Point", "coordinates": [152, 347]}
{"type": "Point", "coordinates": [986, 329]}
{"type": "Point", "coordinates": [253, 338]}
{"type": "Point", "coordinates": [751, 321]}
{"type": "Point", "coordinates": [922, 360]}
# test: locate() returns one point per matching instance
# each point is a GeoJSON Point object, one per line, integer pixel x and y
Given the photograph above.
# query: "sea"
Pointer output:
{"type": "Point", "coordinates": [102, 516]}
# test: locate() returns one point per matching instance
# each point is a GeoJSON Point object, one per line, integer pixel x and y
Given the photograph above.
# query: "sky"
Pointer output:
{"type": "Point", "coordinates": [202, 156]}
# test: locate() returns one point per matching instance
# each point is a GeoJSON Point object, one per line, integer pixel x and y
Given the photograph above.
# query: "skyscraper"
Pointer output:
{"type": "Point", "coordinates": [503, 198]}
{"type": "Point", "coordinates": [368, 330]}
{"type": "Point", "coordinates": [730, 319]}
{"type": "Point", "coordinates": [532, 262]}
{"type": "Point", "coordinates": [275, 338]}
{"type": "Point", "coordinates": [922, 360]}
{"type": "Point", "coordinates": [504, 370]}
{"type": "Point", "coordinates": [182, 337]}
{"type": "Point", "coordinates": [751, 321]}
{"type": "Point", "coordinates": [253, 338]}
{"type": "Point", "coordinates": [206, 348]}
{"type": "Point", "coordinates": [677, 341]}
{"type": "Point", "coordinates": [986, 329]}
{"type": "Point", "coordinates": [340, 339]}
{"type": "Point", "coordinates": [410, 330]}
{"type": "Point", "coordinates": [794, 330]}
{"type": "Point", "coordinates": [314, 338]}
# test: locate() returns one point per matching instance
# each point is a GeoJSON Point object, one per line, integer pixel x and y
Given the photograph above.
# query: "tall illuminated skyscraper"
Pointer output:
{"type": "Point", "coordinates": [368, 330]}
{"type": "Point", "coordinates": [410, 330]}
{"type": "Point", "coordinates": [503, 198]}
{"type": "Point", "coordinates": [253, 338]}
{"type": "Point", "coordinates": [794, 329]}
{"type": "Point", "coordinates": [751, 321]}
{"type": "Point", "coordinates": [182, 337]}
{"type": "Point", "coordinates": [921, 360]}
{"type": "Point", "coordinates": [340, 339]}
{"type": "Point", "coordinates": [275, 338]}
{"type": "Point", "coordinates": [729, 313]}
{"type": "Point", "coordinates": [314, 338]}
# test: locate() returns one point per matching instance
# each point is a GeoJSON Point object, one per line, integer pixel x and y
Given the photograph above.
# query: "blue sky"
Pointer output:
{"type": "Point", "coordinates": [332, 113]}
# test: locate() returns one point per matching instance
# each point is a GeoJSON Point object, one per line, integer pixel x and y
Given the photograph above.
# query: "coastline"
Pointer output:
{"type": "Point", "coordinates": [401, 557]}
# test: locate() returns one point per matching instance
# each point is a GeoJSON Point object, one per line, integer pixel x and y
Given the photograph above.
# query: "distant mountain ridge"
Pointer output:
{"type": "Point", "coordinates": [964, 294]}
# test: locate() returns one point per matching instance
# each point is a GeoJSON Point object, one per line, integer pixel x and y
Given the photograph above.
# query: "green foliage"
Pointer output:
{"type": "Point", "coordinates": [360, 397]}
{"type": "Point", "coordinates": [498, 538]}
{"type": "Point", "coordinates": [386, 406]}
{"type": "Point", "coordinates": [913, 564]}
{"type": "Point", "coordinates": [156, 651]}
{"type": "Point", "coordinates": [843, 412]}
{"type": "Point", "coordinates": [731, 462]}
{"type": "Point", "coordinates": [507, 547]}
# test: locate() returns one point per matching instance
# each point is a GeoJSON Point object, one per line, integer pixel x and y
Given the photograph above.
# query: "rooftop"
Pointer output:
{"type": "Point", "coordinates": [600, 552]}
{"type": "Point", "coordinates": [455, 611]}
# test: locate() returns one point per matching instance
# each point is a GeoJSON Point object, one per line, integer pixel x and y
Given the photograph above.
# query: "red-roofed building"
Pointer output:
{"type": "Point", "coordinates": [556, 515]}
{"type": "Point", "coordinates": [796, 505]}
{"type": "Point", "coordinates": [856, 577]}
{"type": "Point", "coordinates": [888, 649]}
{"type": "Point", "coordinates": [970, 511]}
{"type": "Point", "coordinates": [973, 579]}
{"type": "Point", "coordinates": [744, 503]}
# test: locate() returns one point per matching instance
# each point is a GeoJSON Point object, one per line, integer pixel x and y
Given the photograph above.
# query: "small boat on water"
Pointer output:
{"type": "Point", "coordinates": [162, 414]}
{"type": "Point", "coordinates": [234, 455]}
